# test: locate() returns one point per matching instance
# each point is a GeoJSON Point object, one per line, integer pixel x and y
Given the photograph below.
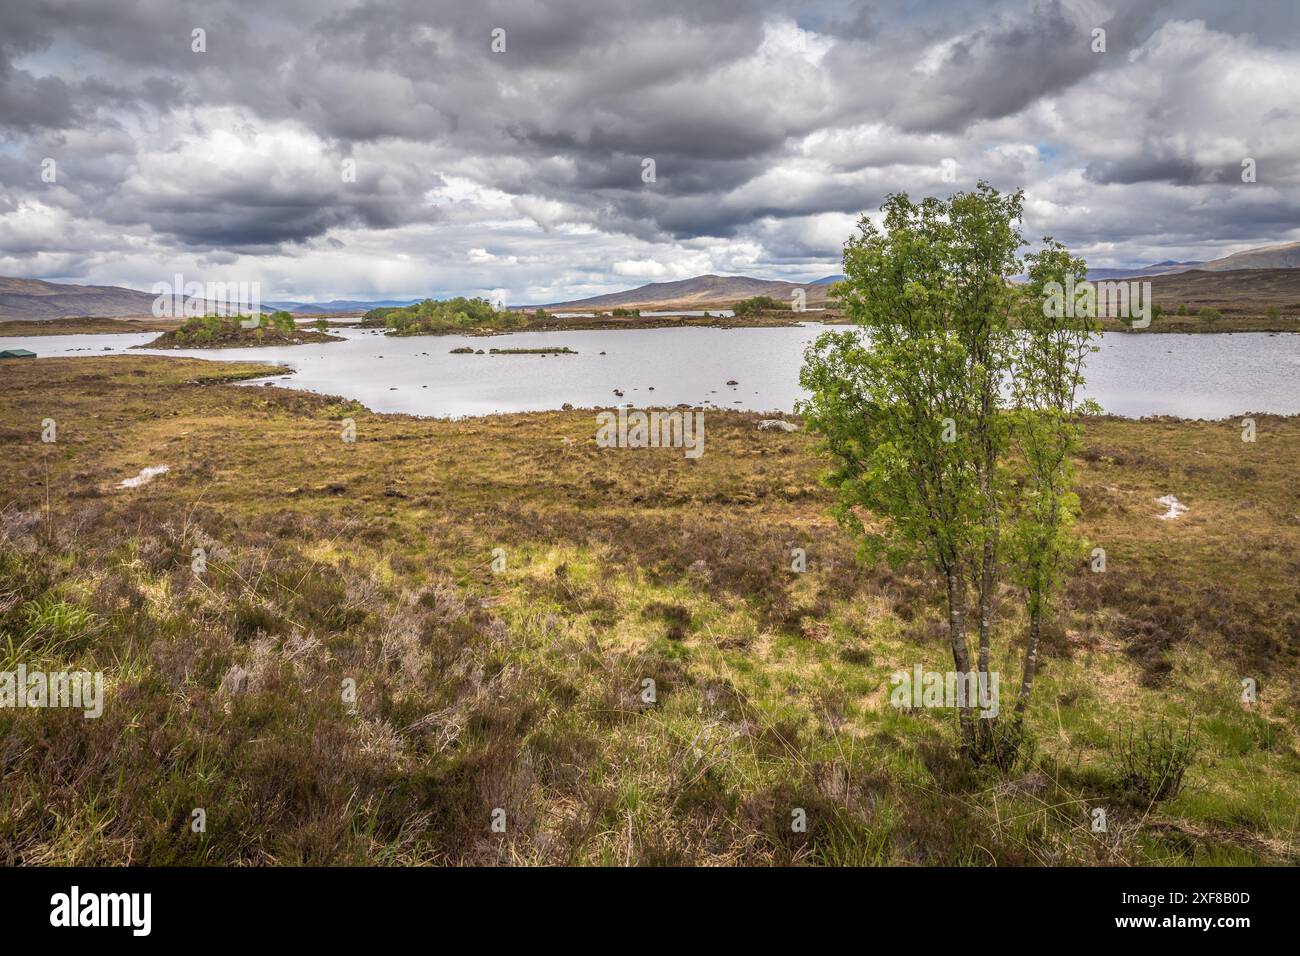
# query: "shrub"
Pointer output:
{"type": "Point", "coordinates": [1151, 764]}
{"type": "Point", "coordinates": [281, 320]}
{"type": "Point", "coordinates": [1209, 315]}
{"type": "Point", "coordinates": [759, 303]}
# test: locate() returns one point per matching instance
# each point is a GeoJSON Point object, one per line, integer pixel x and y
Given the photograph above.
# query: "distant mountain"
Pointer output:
{"type": "Point", "coordinates": [30, 299]}
{"type": "Point", "coordinates": [1283, 256]}
{"type": "Point", "coordinates": [701, 292]}
{"type": "Point", "coordinates": [1158, 268]}
{"type": "Point", "coordinates": [336, 306]}
{"type": "Point", "coordinates": [35, 299]}
{"type": "Point", "coordinates": [827, 280]}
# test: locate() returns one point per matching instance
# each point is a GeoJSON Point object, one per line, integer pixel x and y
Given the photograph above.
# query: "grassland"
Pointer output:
{"type": "Point", "coordinates": [521, 687]}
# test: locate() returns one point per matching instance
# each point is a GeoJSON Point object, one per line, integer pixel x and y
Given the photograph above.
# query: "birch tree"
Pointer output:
{"type": "Point", "coordinates": [921, 410]}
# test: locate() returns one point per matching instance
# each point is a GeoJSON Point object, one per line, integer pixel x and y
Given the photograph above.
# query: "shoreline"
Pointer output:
{"type": "Point", "coordinates": [1165, 324]}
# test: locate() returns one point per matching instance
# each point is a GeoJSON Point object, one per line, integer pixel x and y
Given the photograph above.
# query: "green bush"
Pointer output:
{"type": "Point", "coordinates": [281, 320]}
{"type": "Point", "coordinates": [1209, 315]}
{"type": "Point", "coordinates": [759, 303]}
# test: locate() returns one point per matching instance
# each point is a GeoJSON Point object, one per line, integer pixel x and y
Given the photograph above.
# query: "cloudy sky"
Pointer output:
{"type": "Point", "coordinates": [329, 148]}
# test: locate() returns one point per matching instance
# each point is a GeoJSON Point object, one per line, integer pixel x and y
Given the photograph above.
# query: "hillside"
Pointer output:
{"type": "Point", "coordinates": [29, 299]}
{"type": "Point", "coordinates": [700, 292]}
{"type": "Point", "coordinates": [1242, 291]}
{"type": "Point", "coordinates": [1283, 256]}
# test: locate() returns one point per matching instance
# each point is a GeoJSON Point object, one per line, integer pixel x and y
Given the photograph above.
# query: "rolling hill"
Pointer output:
{"type": "Point", "coordinates": [32, 299]}
{"type": "Point", "coordinates": [700, 292]}
{"type": "Point", "coordinates": [1236, 291]}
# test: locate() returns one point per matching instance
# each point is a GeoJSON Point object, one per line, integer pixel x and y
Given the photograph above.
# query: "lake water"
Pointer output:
{"type": "Point", "coordinates": [1192, 376]}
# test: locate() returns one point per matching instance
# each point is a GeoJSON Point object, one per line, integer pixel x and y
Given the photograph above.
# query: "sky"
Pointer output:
{"type": "Point", "coordinates": [542, 151]}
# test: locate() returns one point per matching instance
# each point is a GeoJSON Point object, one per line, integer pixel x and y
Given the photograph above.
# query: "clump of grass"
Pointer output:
{"type": "Point", "coordinates": [54, 625]}
{"type": "Point", "coordinates": [1151, 763]}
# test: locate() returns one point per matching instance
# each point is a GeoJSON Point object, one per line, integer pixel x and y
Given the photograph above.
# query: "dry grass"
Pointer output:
{"type": "Point", "coordinates": [525, 690]}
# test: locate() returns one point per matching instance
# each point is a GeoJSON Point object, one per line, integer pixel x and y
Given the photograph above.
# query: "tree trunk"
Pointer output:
{"type": "Point", "coordinates": [1031, 658]}
{"type": "Point", "coordinates": [960, 651]}
{"type": "Point", "coordinates": [988, 579]}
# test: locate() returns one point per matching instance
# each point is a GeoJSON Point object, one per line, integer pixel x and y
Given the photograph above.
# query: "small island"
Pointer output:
{"type": "Point", "coordinates": [228, 332]}
{"type": "Point", "coordinates": [435, 317]}
{"type": "Point", "coordinates": [551, 350]}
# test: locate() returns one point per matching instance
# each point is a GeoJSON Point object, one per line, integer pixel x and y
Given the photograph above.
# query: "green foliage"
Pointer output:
{"type": "Point", "coordinates": [937, 337]}
{"type": "Point", "coordinates": [626, 313]}
{"type": "Point", "coordinates": [759, 303]}
{"type": "Point", "coordinates": [322, 325]}
{"type": "Point", "coordinates": [1045, 389]}
{"type": "Point", "coordinates": [55, 625]}
{"type": "Point", "coordinates": [1183, 310]}
{"type": "Point", "coordinates": [380, 315]}
{"type": "Point", "coordinates": [281, 321]}
{"type": "Point", "coordinates": [1274, 313]}
{"type": "Point", "coordinates": [956, 369]}
{"type": "Point", "coordinates": [1209, 315]}
{"type": "Point", "coordinates": [1150, 765]}
{"type": "Point", "coordinates": [448, 315]}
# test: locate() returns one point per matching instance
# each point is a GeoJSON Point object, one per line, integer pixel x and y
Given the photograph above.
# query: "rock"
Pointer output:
{"type": "Point", "coordinates": [566, 407]}
{"type": "Point", "coordinates": [732, 381]}
{"type": "Point", "coordinates": [776, 425]}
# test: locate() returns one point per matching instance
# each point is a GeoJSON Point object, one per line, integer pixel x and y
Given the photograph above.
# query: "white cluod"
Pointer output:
{"type": "Point", "coordinates": [1176, 508]}
{"type": "Point", "coordinates": [146, 475]}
